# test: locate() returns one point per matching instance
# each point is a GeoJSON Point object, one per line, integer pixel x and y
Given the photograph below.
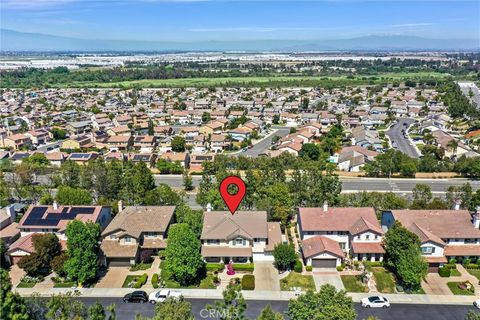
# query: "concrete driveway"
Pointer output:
{"type": "Point", "coordinates": [114, 277]}
{"type": "Point", "coordinates": [266, 276]}
{"type": "Point", "coordinates": [328, 277]}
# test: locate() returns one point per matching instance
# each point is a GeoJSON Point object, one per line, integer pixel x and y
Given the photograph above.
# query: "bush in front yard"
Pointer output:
{"type": "Point", "coordinates": [466, 261]}
{"type": "Point", "coordinates": [472, 266]}
{"type": "Point", "coordinates": [248, 282]}
{"type": "Point", "coordinates": [444, 272]}
{"type": "Point", "coordinates": [308, 268]}
{"type": "Point", "coordinates": [341, 267]}
{"type": "Point", "coordinates": [214, 267]}
{"type": "Point", "coordinates": [298, 266]}
{"type": "Point", "coordinates": [248, 267]}
{"type": "Point", "coordinates": [155, 281]}
{"type": "Point", "coordinates": [141, 281]}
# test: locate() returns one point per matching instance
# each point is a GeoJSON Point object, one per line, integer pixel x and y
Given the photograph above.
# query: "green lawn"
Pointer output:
{"type": "Point", "coordinates": [455, 273]}
{"type": "Point", "coordinates": [23, 284]}
{"type": "Point", "coordinates": [353, 284]}
{"type": "Point", "coordinates": [457, 291]}
{"type": "Point", "coordinates": [205, 283]}
{"type": "Point", "coordinates": [297, 280]}
{"type": "Point", "coordinates": [474, 272]}
{"type": "Point", "coordinates": [66, 284]}
{"type": "Point", "coordinates": [129, 279]}
{"type": "Point", "coordinates": [384, 279]}
{"type": "Point", "coordinates": [141, 266]}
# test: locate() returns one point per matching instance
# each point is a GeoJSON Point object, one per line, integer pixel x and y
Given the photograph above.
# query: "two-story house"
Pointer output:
{"type": "Point", "coordinates": [242, 237]}
{"type": "Point", "coordinates": [329, 235]}
{"type": "Point", "coordinates": [443, 234]}
{"type": "Point", "coordinates": [53, 219]}
{"type": "Point", "coordinates": [135, 233]}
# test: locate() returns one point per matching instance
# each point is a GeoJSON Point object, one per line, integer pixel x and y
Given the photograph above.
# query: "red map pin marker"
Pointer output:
{"type": "Point", "coordinates": [232, 200]}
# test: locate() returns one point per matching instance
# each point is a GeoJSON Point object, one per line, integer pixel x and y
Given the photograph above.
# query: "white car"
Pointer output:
{"type": "Point", "coordinates": [476, 303]}
{"type": "Point", "coordinates": [162, 295]}
{"type": "Point", "coordinates": [375, 302]}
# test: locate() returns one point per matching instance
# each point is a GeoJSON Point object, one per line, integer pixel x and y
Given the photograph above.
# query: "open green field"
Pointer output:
{"type": "Point", "coordinates": [273, 81]}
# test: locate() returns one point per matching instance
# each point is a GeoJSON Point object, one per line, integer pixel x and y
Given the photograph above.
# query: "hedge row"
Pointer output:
{"type": "Point", "coordinates": [215, 267]}
{"type": "Point", "coordinates": [298, 266]}
{"type": "Point", "coordinates": [444, 272]}
{"type": "Point", "coordinates": [155, 280]}
{"type": "Point", "coordinates": [243, 267]}
{"type": "Point", "coordinates": [141, 281]}
{"type": "Point", "coordinates": [248, 282]}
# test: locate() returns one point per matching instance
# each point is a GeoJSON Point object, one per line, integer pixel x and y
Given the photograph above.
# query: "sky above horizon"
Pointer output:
{"type": "Point", "coordinates": [200, 20]}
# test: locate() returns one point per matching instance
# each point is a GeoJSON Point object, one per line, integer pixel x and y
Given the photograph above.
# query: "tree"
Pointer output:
{"type": "Point", "coordinates": [472, 315]}
{"type": "Point", "coordinates": [182, 255]}
{"type": "Point", "coordinates": [452, 145]}
{"type": "Point", "coordinates": [285, 256]}
{"type": "Point", "coordinates": [151, 131]}
{"type": "Point", "coordinates": [12, 306]}
{"type": "Point", "coordinates": [326, 304]}
{"type": "Point", "coordinates": [96, 311]}
{"type": "Point", "coordinates": [162, 195]}
{"type": "Point", "coordinates": [187, 181]}
{"type": "Point", "coordinates": [31, 264]}
{"type": "Point", "coordinates": [233, 305]}
{"type": "Point", "coordinates": [82, 250]}
{"type": "Point", "coordinates": [73, 196]}
{"type": "Point", "coordinates": [59, 134]}
{"type": "Point", "coordinates": [70, 174]}
{"type": "Point", "coordinates": [194, 218]}
{"type": "Point", "coordinates": [65, 307]}
{"type": "Point", "coordinates": [403, 255]}
{"type": "Point", "coordinates": [310, 151]}
{"type": "Point", "coordinates": [58, 264]}
{"type": "Point", "coordinates": [276, 200]}
{"type": "Point", "coordinates": [422, 195]}
{"type": "Point", "coordinates": [4, 191]}
{"type": "Point", "coordinates": [172, 309]}
{"type": "Point", "coordinates": [268, 314]}
{"type": "Point", "coordinates": [46, 247]}
{"type": "Point", "coordinates": [178, 144]}
{"type": "Point", "coordinates": [206, 117]}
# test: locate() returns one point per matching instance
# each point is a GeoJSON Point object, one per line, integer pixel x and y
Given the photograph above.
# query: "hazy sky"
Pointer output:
{"type": "Point", "coordinates": [188, 20]}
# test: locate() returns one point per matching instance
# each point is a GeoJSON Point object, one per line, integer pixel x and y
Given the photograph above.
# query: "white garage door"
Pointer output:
{"type": "Point", "coordinates": [263, 257]}
{"type": "Point", "coordinates": [324, 263]}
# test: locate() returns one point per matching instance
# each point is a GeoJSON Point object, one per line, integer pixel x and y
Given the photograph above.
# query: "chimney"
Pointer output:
{"type": "Point", "coordinates": [476, 218]}
{"type": "Point", "coordinates": [120, 205]}
{"type": "Point", "coordinates": [325, 206]}
{"type": "Point", "coordinates": [209, 207]}
{"type": "Point", "coordinates": [55, 205]}
{"type": "Point", "coordinates": [457, 204]}
{"type": "Point", "coordinates": [11, 212]}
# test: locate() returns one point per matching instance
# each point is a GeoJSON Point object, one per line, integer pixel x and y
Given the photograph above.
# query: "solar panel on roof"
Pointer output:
{"type": "Point", "coordinates": [36, 216]}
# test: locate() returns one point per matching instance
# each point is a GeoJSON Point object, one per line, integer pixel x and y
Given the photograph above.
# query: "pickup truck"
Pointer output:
{"type": "Point", "coordinates": [162, 295]}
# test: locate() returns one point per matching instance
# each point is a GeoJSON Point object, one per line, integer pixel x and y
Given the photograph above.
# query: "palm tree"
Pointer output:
{"type": "Point", "coordinates": [453, 145]}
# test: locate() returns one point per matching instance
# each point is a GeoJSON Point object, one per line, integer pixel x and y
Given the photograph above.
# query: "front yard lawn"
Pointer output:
{"type": "Point", "coordinates": [456, 290]}
{"type": "Point", "coordinates": [455, 273]}
{"type": "Point", "coordinates": [474, 272]}
{"type": "Point", "coordinates": [131, 279]}
{"type": "Point", "coordinates": [353, 284]}
{"type": "Point", "coordinates": [24, 284]}
{"type": "Point", "coordinates": [141, 266]}
{"type": "Point", "coordinates": [66, 284]}
{"type": "Point", "coordinates": [384, 279]}
{"type": "Point", "coordinates": [297, 280]}
{"type": "Point", "coordinates": [206, 282]}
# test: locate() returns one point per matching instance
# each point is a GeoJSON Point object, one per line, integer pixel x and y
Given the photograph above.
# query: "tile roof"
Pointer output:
{"type": "Point", "coordinates": [246, 224]}
{"type": "Point", "coordinates": [219, 251]}
{"type": "Point", "coordinates": [319, 244]}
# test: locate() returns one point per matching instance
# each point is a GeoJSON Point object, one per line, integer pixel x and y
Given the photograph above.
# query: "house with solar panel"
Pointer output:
{"type": "Point", "coordinates": [53, 219]}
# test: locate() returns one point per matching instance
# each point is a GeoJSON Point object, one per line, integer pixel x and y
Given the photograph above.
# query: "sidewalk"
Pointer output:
{"type": "Point", "coordinates": [253, 295]}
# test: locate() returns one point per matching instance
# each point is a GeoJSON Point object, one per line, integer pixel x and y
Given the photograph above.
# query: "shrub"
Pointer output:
{"type": "Point", "coordinates": [450, 266]}
{"type": "Point", "coordinates": [452, 261]}
{"type": "Point", "coordinates": [374, 263]}
{"type": "Point", "coordinates": [248, 282]}
{"type": "Point", "coordinates": [298, 266]}
{"type": "Point", "coordinates": [248, 267]}
{"type": "Point", "coordinates": [155, 280]}
{"type": "Point", "coordinates": [141, 281]}
{"type": "Point", "coordinates": [218, 267]}
{"type": "Point", "coordinates": [309, 268]}
{"type": "Point", "coordinates": [472, 266]}
{"type": "Point", "coordinates": [466, 261]}
{"type": "Point", "coordinates": [444, 272]}
{"type": "Point", "coordinates": [341, 267]}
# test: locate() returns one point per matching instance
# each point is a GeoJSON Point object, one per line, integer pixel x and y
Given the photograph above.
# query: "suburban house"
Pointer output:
{"type": "Point", "coordinates": [444, 234]}
{"type": "Point", "coordinates": [9, 232]}
{"type": "Point", "coordinates": [329, 235]}
{"type": "Point", "coordinates": [135, 233]}
{"type": "Point", "coordinates": [53, 219]}
{"type": "Point", "coordinates": [242, 237]}
{"type": "Point", "coordinates": [15, 141]}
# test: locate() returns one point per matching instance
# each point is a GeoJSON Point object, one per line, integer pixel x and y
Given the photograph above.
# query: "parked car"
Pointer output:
{"type": "Point", "coordinates": [136, 296]}
{"type": "Point", "coordinates": [476, 303]}
{"type": "Point", "coordinates": [162, 295]}
{"type": "Point", "coordinates": [375, 302]}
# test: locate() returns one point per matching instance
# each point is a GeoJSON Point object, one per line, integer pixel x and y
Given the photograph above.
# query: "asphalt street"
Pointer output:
{"type": "Point", "coordinates": [263, 145]}
{"type": "Point", "coordinates": [399, 141]}
{"type": "Point", "coordinates": [466, 87]}
{"type": "Point", "coordinates": [396, 312]}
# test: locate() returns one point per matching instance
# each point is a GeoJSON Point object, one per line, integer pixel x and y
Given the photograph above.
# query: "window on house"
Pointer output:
{"type": "Point", "coordinates": [213, 241]}
{"type": "Point", "coordinates": [329, 232]}
{"type": "Point", "coordinates": [343, 245]}
{"type": "Point", "coordinates": [113, 236]}
{"type": "Point", "coordinates": [239, 241]}
{"type": "Point", "coordinates": [428, 250]}
{"type": "Point", "coordinates": [376, 237]}
{"type": "Point", "coordinates": [470, 240]}
{"type": "Point", "coordinates": [358, 237]}
{"type": "Point", "coordinates": [128, 239]}
{"type": "Point", "coordinates": [367, 236]}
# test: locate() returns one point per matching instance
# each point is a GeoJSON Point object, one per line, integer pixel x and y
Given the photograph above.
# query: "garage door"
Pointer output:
{"type": "Point", "coordinates": [324, 263]}
{"type": "Point", "coordinates": [433, 267]}
{"type": "Point", "coordinates": [267, 256]}
{"type": "Point", "coordinates": [119, 262]}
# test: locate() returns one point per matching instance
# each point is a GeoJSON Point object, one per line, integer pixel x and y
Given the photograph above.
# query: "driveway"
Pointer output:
{"type": "Point", "coordinates": [266, 276]}
{"type": "Point", "coordinates": [16, 274]}
{"type": "Point", "coordinates": [328, 277]}
{"type": "Point", "coordinates": [114, 277]}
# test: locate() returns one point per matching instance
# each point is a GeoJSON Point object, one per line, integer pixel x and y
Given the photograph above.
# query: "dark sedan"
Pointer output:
{"type": "Point", "coordinates": [136, 296]}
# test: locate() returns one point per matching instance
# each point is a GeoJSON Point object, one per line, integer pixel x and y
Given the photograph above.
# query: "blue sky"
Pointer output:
{"type": "Point", "coordinates": [198, 20]}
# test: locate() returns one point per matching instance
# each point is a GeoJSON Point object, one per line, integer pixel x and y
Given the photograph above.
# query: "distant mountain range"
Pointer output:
{"type": "Point", "coordinates": [11, 40]}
